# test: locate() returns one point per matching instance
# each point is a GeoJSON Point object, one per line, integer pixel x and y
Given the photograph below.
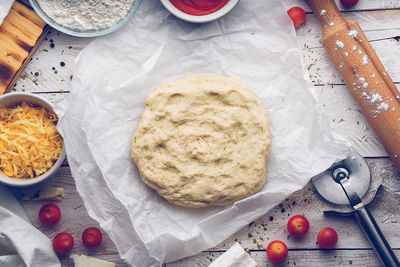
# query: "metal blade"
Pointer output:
{"type": "Point", "coordinates": [359, 179]}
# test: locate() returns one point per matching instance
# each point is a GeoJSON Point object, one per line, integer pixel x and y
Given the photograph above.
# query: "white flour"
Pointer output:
{"type": "Point", "coordinates": [87, 14]}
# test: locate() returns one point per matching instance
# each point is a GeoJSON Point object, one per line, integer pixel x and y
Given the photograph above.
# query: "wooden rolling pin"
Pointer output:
{"type": "Point", "coordinates": [363, 73]}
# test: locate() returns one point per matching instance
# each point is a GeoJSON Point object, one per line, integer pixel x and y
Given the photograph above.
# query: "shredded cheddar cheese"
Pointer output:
{"type": "Point", "coordinates": [29, 141]}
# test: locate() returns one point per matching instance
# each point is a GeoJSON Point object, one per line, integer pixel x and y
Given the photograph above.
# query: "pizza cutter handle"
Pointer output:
{"type": "Point", "coordinates": [376, 238]}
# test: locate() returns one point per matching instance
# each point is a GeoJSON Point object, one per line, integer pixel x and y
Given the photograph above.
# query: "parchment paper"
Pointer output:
{"type": "Point", "coordinates": [113, 75]}
{"type": "Point", "coordinates": [21, 244]}
{"type": "Point", "coordinates": [5, 6]}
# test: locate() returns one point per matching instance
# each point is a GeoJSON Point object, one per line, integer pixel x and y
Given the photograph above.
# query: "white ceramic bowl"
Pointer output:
{"type": "Point", "coordinates": [199, 19]}
{"type": "Point", "coordinates": [12, 99]}
{"type": "Point", "coordinates": [84, 33]}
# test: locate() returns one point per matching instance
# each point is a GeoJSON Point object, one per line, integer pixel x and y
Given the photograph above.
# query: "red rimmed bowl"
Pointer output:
{"type": "Point", "coordinates": [199, 11]}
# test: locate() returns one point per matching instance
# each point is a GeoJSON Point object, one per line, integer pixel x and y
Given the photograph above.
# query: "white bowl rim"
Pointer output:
{"type": "Point", "coordinates": [17, 182]}
{"type": "Point", "coordinates": [199, 19]}
{"type": "Point", "coordinates": [89, 33]}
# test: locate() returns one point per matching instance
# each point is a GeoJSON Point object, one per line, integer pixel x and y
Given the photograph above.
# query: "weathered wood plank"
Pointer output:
{"type": "Point", "coordinates": [346, 119]}
{"type": "Point", "coordinates": [313, 258]}
{"type": "Point", "coordinates": [258, 234]}
{"type": "Point", "coordinates": [340, 108]}
{"type": "Point", "coordinates": [382, 28]}
{"type": "Point", "coordinates": [377, 25]}
{"type": "Point", "coordinates": [322, 71]}
{"type": "Point", "coordinates": [362, 5]}
{"type": "Point", "coordinates": [21, 33]}
{"type": "Point", "coordinates": [385, 208]}
{"type": "Point", "coordinates": [74, 218]}
{"type": "Point", "coordinates": [44, 73]}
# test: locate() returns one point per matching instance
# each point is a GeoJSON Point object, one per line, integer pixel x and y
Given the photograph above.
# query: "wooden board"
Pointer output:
{"type": "Point", "coordinates": [21, 33]}
{"type": "Point", "coordinates": [298, 258]}
{"type": "Point", "coordinates": [255, 236]}
{"type": "Point", "coordinates": [382, 27]}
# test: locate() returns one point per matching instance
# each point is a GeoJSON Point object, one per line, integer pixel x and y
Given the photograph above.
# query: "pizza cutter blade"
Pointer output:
{"type": "Point", "coordinates": [345, 183]}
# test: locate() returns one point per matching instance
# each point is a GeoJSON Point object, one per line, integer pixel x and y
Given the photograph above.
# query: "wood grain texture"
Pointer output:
{"type": "Point", "coordinates": [20, 35]}
{"type": "Point", "coordinates": [74, 217]}
{"type": "Point", "coordinates": [361, 6]}
{"type": "Point", "coordinates": [254, 236]}
{"type": "Point", "coordinates": [298, 258]}
{"type": "Point", "coordinates": [381, 27]}
{"type": "Point", "coordinates": [361, 69]}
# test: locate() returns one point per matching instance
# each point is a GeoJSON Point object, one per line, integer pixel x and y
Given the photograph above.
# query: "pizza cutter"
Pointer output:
{"type": "Point", "coordinates": [347, 183]}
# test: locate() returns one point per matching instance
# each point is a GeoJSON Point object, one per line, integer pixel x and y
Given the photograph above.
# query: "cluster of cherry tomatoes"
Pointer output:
{"type": "Point", "coordinates": [298, 226]}
{"type": "Point", "coordinates": [63, 242]}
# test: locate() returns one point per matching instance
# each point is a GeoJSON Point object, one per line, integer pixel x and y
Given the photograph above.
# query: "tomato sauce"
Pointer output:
{"type": "Point", "coordinates": [199, 7]}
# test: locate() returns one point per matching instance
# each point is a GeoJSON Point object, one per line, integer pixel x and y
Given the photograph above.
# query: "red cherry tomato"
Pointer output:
{"type": "Point", "coordinates": [298, 225]}
{"type": "Point", "coordinates": [63, 243]}
{"type": "Point", "coordinates": [91, 237]}
{"type": "Point", "coordinates": [349, 3]}
{"type": "Point", "coordinates": [277, 251]}
{"type": "Point", "coordinates": [298, 16]}
{"type": "Point", "coordinates": [49, 214]}
{"type": "Point", "coordinates": [327, 238]}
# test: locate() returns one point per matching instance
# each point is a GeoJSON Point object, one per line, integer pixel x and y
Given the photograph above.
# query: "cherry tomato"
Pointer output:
{"type": "Point", "coordinates": [298, 225]}
{"type": "Point", "coordinates": [327, 238]}
{"type": "Point", "coordinates": [277, 251]}
{"type": "Point", "coordinates": [349, 3]}
{"type": "Point", "coordinates": [298, 16]}
{"type": "Point", "coordinates": [63, 243]}
{"type": "Point", "coordinates": [91, 237]}
{"type": "Point", "coordinates": [49, 214]}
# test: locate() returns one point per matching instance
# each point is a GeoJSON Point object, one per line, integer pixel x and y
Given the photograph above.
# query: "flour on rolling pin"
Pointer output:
{"type": "Point", "coordinates": [378, 103]}
{"type": "Point", "coordinates": [363, 73]}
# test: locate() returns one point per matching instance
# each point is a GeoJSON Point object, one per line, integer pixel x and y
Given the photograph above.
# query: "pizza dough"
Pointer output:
{"type": "Point", "coordinates": [202, 141]}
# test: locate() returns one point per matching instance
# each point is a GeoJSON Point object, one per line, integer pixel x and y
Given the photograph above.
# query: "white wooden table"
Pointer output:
{"type": "Point", "coordinates": [380, 20]}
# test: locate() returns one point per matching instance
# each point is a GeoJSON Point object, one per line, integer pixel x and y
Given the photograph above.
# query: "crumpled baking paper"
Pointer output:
{"type": "Point", "coordinates": [113, 75]}
{"type": "Point", "coordinates": [4, 8]}
{"type": "Point", "coordinates": [21, 244]}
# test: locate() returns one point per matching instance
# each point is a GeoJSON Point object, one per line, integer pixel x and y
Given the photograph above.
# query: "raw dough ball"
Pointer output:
{"type": "Point", "coordinates": [202, 141]}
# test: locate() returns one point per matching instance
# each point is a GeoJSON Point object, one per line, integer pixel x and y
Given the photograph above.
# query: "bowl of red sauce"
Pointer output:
{"type": "Point", "coordinates": [199, 11]}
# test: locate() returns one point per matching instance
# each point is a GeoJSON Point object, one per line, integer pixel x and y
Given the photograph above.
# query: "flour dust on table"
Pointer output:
{"type": "Point", "coordinates": [87, 14]}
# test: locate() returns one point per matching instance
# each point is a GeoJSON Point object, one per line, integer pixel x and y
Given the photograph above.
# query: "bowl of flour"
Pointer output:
{"type": "Point", "coordinates": [86, 18]}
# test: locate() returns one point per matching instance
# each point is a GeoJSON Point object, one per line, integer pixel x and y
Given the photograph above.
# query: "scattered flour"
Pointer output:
{"type": "Point", "coordinates": [339, 44]}
{"type": "Point", "coordinates": [376, 98]}
{"type": "Point", "coordinates": [323, 12]}
{"type": "Point", "coordinates": [353, 33]}
{"type": "Point", "coordinates": [383, 106]}
{"type": "Point", "coordinates": [87, 14]}
{"type": "Point", "coordinates": [331, 23]}
{"type": "Point", "coordinates": [365, 60]}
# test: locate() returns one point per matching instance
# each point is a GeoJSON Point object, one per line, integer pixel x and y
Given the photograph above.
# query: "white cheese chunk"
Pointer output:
{"type": "Point", "coordinates": [86, 261]}
{"type": "Point", "coordinates": [236, 256]}
{"type": "Point", "coordinates": [47, 193]}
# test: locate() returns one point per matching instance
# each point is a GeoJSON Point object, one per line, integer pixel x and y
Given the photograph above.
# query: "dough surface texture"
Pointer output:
{"type": "Point", "coordinates": [203, 141]}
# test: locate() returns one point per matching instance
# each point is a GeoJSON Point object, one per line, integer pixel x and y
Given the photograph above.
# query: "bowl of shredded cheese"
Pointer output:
{"type": "Point", "coordinates": [31, 148]}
